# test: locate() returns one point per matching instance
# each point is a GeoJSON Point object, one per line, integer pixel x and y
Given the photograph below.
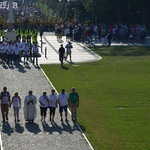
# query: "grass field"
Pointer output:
{"type": "Point", "coordinates": [114, 110]}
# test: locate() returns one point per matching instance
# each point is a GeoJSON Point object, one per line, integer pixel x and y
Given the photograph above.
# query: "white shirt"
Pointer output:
{"type": "Point", "coordinates": [43, 100]}
{"type": "Point", "coordinates": [35, 49]}
{"type": "Point", "coordinates": [53, 100]}
{"type": "Point", "coordinates": [16, 50]}
{"type": "Point", "coordinates": [26, 49]}
{"type": "Point", "coordinates": [16, 101]}
{"type": "Point", "coordinates": [10, 49]}
{"type": "Point", "coordinates": [3, 49]}
{"type": "Point", "coordinates": [63, 99]}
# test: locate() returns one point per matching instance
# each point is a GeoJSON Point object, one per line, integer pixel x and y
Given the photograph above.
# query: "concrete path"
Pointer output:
{"type": "Point", "coordinates": [27, 136]}
{"type": "Point", "coordinates": [80, 53]}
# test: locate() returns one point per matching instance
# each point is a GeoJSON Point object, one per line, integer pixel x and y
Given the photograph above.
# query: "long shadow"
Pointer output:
{"type": "Point", "coordinates": [20, 68]}
{"type": "Point", "coordinates": [46, 128]}
{"type": "Point", "coordinates": [64, 67]}
{"type": "Point", "coordinates": [27, 65]}
{"type": "Point", "coordinates": [11, 66]}
{"type": "Point", "coordinates": [19, 128]}
{"type": "Point", "coordinates": [66, 127]}
{"type": "Point", "coordinates": [76, 124]}
{"type": "Point", "coordinates": [6, 128]}
{"type": "Point", "coordinates": [53, 128]}
{"type": "Point", "coordinates": [4, 66]}
{"type": "Point", "coordinates": [32, 127]}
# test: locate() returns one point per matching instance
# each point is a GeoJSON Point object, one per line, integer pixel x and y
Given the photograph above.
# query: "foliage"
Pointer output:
{"type": "Point", "coordinates": [110, 11]}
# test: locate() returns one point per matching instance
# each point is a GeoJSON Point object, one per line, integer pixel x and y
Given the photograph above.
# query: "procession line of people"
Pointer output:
{"type": "Point", "coordinates": [46, 102]}
{"type": "Point", "coordinates": [12, 52]}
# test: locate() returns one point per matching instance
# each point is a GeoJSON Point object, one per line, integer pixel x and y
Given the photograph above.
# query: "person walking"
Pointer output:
{"type": "Point", "coordinates": [43, 100]}
{"type": "Point", "coordinates": [109, 37]}
{"type": "Point", "coordinates": [16, 54]}
{"type": "Point", "coordinates": [61, 54]}
{"type": "Point", "coordinates": [16, 101]}
{"type": "Point", "coordinates": [30, 107]}
{"type": "Point", "coordinates": [35, 53]}
{"type": "Point", "coordinates": [73, 103]}
{"type": "Point", "coordinates": [53, 103]}
{"type": "Point", "coordinates": [68, 50]}
{"type": "Point", "coordinates": [63, 98]}
{"type": "Point", "coordinates": [5, 103]}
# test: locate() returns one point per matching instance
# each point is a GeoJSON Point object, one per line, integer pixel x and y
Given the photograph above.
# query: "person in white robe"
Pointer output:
{"type": "Point", "coordinates": [30, 112]}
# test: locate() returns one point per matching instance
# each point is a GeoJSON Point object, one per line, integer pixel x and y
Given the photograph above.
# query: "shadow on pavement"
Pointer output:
{"type": "Point", "coordinates": [6, 128]}
{"type": "Point", "coordinates": [19, 128]}
{"type": "Point", "coordinates": [32, 127]}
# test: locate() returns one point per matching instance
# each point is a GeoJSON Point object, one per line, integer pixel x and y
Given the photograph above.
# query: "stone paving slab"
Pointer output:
{"type": "Point", "coordinates": [38, 136]}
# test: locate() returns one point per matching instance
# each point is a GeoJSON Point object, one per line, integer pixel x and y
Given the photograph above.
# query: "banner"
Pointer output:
{"type": "Point", "coordinates": [5, 5]}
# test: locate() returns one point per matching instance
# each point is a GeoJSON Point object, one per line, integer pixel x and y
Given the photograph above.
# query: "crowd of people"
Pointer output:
{"type": "Point", "coordinates": [100, 32]}
{"type": "Point", "coordinates": [25, 46]}
{"type": "Point", "coordinates": [47, 101]}
{"type": "Point", "coordinates": [29, 16]}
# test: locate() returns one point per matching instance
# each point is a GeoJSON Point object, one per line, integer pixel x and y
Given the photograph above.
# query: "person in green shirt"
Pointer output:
{"type": "Point", "coordinates": [73, 103]}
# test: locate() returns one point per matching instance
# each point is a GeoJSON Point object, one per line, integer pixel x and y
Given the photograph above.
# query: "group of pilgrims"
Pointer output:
{"type": "Point", "coordinates": [25, 46]}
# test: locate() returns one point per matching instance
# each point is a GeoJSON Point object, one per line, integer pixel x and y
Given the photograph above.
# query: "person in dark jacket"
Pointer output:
{"type": "Point", "coordinates": [61, 53]}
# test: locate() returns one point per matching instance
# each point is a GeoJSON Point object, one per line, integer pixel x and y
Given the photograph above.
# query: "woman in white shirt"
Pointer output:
{"type": "Point", "coordinates": [53, 101]}
{"type": "Point", "coordinates": [16, 101]}
{"type": "Point", "coordinates": [43, 100]}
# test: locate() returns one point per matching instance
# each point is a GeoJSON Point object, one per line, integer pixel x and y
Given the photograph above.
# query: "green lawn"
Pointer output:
{"type": "Point", "coordinates": [114, 110]}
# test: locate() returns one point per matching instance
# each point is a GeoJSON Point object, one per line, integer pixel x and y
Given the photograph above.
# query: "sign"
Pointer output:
{"type": "Point", "coordinates": [5, 5]}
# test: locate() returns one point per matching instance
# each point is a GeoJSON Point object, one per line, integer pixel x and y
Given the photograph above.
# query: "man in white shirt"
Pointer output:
{"type": "Point", "coordinates": [43, 100]}
{"type": "Point", "coordinates": [26, 52]}
{"type": "Point", "coordinates": [16, 54]}
{"type": "Point", "coordinates": [63, 99]}
{"type": "Point", "coordinates": [9, 52]}
{"type": "Point", "coordinates": [35, 53]}
{"type": "Point", "coordinates": [68, 50]}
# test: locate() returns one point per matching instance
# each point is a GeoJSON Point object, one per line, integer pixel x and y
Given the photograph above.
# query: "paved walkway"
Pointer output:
{"type": "Point", "coordinates": [80, 53]}
{"type": "Point", "coordinates": [39, 136]}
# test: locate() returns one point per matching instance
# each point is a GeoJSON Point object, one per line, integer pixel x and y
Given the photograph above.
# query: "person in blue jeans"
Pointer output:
{"type": "Point", "coordinates": [63, 98]}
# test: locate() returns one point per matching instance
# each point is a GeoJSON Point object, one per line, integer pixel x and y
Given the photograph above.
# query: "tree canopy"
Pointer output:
{"type": "Point", "coordinates": [110, 11]}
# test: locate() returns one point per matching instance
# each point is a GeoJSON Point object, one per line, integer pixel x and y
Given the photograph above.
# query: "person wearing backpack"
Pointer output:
{"type": "Point", "coordinates": [5, 103]}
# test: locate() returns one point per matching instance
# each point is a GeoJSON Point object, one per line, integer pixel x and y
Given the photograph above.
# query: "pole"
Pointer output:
{"type": "Point", "coordinates": [10, 16]}
{"type": "Point", "coordinates": [41, 47]}
{"type": "Point", "coordinates": [45, 52]}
